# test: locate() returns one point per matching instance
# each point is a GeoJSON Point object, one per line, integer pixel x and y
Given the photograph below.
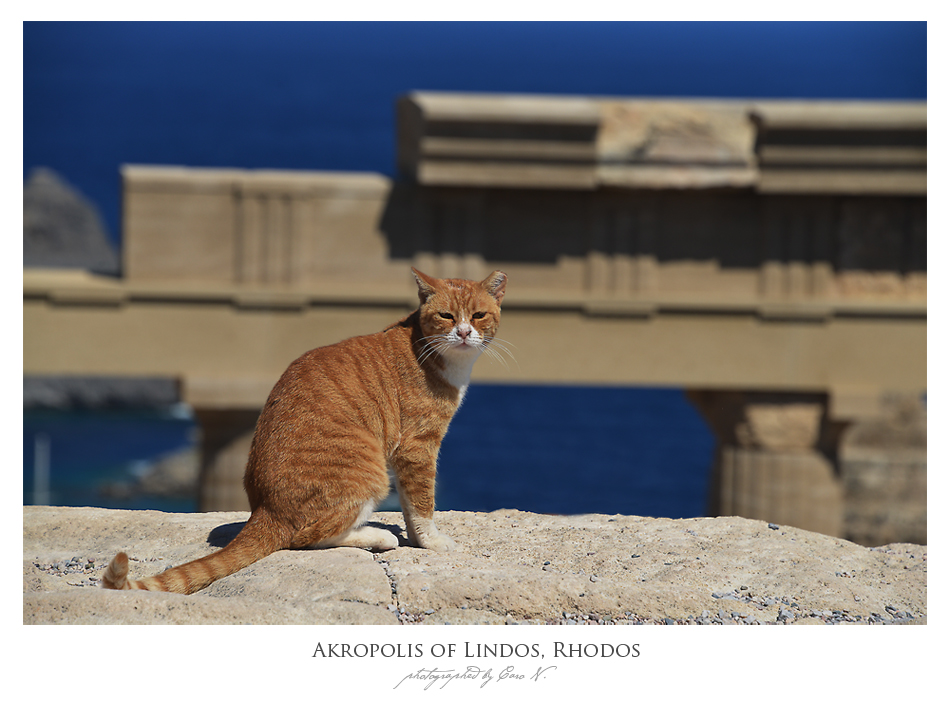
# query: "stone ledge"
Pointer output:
{"type": "Point", "coordinates": [511, 567]}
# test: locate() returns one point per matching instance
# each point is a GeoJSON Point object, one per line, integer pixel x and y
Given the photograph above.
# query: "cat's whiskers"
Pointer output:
{"type": "Point", "coordinates": [433, 345]}
{"type": "Point", "coordinates": [427, 342]}
{"type": "Point", "coordinates": [495, 355]}
{"type": "Point", "coordinates": [495, 346]}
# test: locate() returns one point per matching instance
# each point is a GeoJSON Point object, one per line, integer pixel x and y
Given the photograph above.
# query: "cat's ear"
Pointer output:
{"type": "Point", "coordinates": [495, 285]}
{"type": "Point", "coordinates": [427, 285]}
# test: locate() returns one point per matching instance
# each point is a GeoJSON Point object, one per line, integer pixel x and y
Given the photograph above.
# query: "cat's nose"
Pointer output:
{"type": "Point", "coordinates": [464, 331]}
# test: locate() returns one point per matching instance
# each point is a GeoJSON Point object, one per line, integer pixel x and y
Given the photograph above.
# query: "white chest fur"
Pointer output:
{"type": "Point", "coordinates": [458, 369]}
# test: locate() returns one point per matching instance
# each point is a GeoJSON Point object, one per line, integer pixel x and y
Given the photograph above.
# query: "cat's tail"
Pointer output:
{"type": "Point", "coordinates": [258, 539]}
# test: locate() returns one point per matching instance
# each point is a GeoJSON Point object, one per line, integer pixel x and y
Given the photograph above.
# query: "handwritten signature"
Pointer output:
{"type": "Point", "coordinates": [433, 675]}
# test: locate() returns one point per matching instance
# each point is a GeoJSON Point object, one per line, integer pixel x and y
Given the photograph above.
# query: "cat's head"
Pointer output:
{"type": "Point", "coordinates": [459, 317]}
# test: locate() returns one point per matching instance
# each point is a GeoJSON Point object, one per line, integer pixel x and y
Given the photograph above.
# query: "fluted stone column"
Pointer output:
{"type": "Point", "coordinates": [883, 463]}
{"type": "Point", "coordinates": [776, 459]}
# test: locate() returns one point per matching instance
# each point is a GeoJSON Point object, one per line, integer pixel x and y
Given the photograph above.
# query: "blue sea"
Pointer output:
{"type": "Point", "coordinates": [561, 450]}
{"type": "Point", "coordinates": [90, 450]}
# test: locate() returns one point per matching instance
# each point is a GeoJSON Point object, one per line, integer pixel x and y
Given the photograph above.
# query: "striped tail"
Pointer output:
{"type": "Point", "coordinates": [258, 539]}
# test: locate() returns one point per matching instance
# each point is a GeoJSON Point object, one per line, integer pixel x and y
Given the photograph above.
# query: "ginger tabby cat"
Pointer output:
{"type": "Point", "coordinates": [337, 421]}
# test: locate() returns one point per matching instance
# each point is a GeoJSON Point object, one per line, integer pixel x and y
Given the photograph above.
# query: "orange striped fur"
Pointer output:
{"type": "Point", "coordinates": [338, 421]}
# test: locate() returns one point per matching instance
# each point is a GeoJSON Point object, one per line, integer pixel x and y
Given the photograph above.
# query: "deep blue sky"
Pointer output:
{"type": "Point", "coordinates": [321, 95]}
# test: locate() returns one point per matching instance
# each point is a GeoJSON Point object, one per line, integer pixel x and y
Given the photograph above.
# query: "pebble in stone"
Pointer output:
{"type": "Point", "coordinates": [724, 595]}
{"type": "Point", "coordinates": [75, 566]}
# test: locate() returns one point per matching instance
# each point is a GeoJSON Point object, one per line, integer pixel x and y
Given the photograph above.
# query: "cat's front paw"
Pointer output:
{"type": "Point", "coordinates": [431, 539]}
{"type": "Point", "coordinates": [423, 534]}
{"type": "Point", "coordinates": [439, 543]}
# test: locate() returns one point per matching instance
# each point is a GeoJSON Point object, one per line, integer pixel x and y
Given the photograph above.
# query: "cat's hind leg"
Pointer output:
{"type": "Point", "coordinates": [362, 536]}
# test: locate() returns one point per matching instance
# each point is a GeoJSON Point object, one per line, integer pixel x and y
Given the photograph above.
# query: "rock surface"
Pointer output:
{"type": "Point", "coordinates": [511, 567]}
{"type": "Point", "coordinates": [98, 392]}
{"type": "Point", "coordinates": [61, 228]}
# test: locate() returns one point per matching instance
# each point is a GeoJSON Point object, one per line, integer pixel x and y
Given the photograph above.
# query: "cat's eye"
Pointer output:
{"type": "Point", "coordinates": [478, 316]}
{"type": "Point", "coordinates": [447, 316]}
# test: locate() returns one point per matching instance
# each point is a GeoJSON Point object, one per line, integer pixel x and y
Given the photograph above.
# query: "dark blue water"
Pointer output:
{"type": "Point", "coordinates": [576, 450]}
{"type": "Point", "coordinates": [89, 450]}
{"type": "Point", "coordinates": [543, 449]}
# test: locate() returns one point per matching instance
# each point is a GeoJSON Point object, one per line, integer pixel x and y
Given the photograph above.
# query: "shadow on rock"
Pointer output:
{"type": "Point", "coordinates": [224, 534]}
{"type": "Point", "coordinates": [220, 536]}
